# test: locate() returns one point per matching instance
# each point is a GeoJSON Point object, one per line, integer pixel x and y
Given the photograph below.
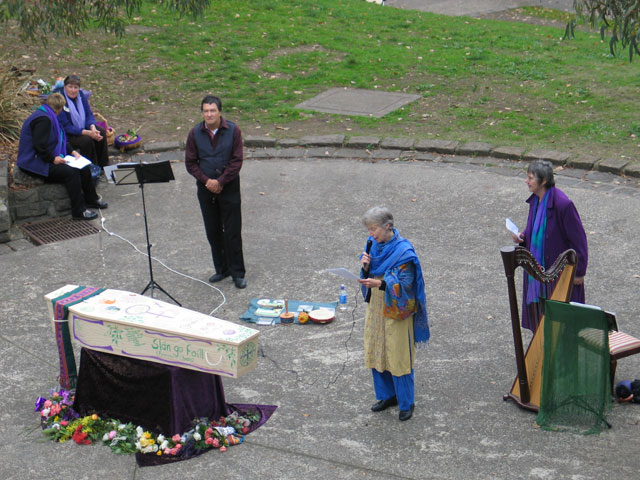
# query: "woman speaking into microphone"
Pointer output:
{"type": "Point", "coordinates": [396, 320]}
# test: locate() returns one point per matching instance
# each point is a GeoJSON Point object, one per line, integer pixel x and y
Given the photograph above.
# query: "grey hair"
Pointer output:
{"type": "Point", "coordinates": [378, 216]}
{"type": "Point", "coordinates": [543, 170]}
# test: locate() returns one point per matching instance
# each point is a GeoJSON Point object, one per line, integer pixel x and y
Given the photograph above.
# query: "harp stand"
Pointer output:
{"type": "Point", "coordinates": [158, 172]}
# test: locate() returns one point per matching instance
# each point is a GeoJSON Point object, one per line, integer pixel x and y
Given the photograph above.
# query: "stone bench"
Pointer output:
{"type": "Point", "coordinates": [34, 199]}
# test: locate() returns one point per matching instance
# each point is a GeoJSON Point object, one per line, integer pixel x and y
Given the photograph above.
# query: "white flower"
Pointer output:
{"type": "Point", "coordinates": [164, 444]}
{"type": "Point", "coordinates": [160, 438]}
{"type": "Point", "coordinates": [122, 426]}
{"type": "Point", "coordinates": [139, 430]}
{"type": "Point", "coordinates": [197, 437]}
{"type": "Point", "coordinates": [105, 437]}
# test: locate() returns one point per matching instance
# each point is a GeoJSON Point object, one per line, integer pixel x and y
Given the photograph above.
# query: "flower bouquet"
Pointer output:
{"type": "Point", "coordinates": [128, 141]}
{"type": "Point", "coordinates": [61, 423]}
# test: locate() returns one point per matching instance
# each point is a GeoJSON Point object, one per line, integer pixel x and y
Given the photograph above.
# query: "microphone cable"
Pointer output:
{"type": "Point", "coordinates": [113, 234]}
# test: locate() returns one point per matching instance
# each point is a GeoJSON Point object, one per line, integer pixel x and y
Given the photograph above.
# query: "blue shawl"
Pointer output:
{"type": "Point", "coordinates": [386, 260]}
{"type": "Point", "coordinates": [534, 289]}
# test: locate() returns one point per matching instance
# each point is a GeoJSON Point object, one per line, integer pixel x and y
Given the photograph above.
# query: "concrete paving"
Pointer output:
{"type": "Point", "coordinates": [301, 215]}
{"type": "Point", "coordinates": [476, 7]}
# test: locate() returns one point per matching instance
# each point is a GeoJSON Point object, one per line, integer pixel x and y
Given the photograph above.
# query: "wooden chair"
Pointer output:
{"type": "Point", "coordinates": [620, 345]}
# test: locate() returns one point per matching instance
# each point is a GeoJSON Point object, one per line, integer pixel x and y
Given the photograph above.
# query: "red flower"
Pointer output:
{"type": "Point", "coordinates": [80, 437]}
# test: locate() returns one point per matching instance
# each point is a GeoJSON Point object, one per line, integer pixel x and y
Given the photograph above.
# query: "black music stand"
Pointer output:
{"type": "Point", "coordinates": [156, 172]}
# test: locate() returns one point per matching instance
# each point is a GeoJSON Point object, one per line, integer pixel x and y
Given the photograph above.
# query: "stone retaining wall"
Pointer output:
{"type": "Point", "coordinates": [33, 199]}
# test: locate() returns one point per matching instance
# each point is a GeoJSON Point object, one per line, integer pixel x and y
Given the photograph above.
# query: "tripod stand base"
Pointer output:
{"type": "Point", "coordinates": [153, 285]}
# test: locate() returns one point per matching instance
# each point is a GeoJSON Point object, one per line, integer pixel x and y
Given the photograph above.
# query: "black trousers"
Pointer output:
{"type": "Point", "coordinates": [222, 218]}
{"type": "Point", "coordinates": [78, 183]}
{"type": "Point", "coordinates": [96, 151]}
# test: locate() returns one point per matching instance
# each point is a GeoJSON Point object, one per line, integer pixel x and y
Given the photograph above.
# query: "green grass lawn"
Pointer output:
{"type": "Point", "coordinates": [506, 83]}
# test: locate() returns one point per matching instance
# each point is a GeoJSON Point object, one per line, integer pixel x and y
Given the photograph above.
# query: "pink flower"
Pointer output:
{"type": "Point", "coordinates": [167, 451]}
{"type": "Point", "coordinates": [245, 429]}
{"type": "Point", "coordinates": [223, 449]}
{"type": "Point", "coordinates": [112, 434]}
{"type": "Point", "coordinates": [215, 443]}
{"type": "Point", "coordinates": [55, 395]}
{"type": "Point", "coordinates": [47, 404]}
{"type": "Point", "coordinates": [175, 438]}
{"type": "Point", "coordinates": [178, 446]}
{"type": "Point", "coordinates": [64, 423]}
{"type": "Point", "coordinates": [174, 451]}
{"type": "Point", "coordinates": [209, 441]}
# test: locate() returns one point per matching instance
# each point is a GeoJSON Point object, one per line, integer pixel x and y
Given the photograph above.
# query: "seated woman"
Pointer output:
{"type": "Point", "coordinates": [79, 124]}
{"type": "Point", "coordinates": [43, 146]}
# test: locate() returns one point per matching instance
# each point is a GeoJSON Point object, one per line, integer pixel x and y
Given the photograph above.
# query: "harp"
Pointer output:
{"type": "Point", "coordinates": [527, 385]}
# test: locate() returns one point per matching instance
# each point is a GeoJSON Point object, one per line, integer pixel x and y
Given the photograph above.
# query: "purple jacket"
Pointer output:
{"type": "Point", "coordinates": [564, 230]}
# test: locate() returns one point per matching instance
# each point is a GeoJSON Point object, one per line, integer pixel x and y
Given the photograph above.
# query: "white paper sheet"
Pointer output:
{"type": "Point", "coordinates": [79, 162]}
{"type": "Point", "coordinates": [108, 172]}
{"type": "Point", "coordinates": [344, 273]}
{"type": "Point", "coordinates": [512, 227]}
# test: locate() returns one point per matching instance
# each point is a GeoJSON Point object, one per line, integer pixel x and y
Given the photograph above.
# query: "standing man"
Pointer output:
{"type": "Point", "coordinates": [213, 155]}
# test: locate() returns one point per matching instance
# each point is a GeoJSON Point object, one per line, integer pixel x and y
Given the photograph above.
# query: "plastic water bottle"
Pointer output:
{"type": "Point", "coordinates": [343, 298]}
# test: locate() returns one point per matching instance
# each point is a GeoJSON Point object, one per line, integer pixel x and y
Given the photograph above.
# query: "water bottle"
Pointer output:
{"type": "Point", "coordinates": [343, 298]}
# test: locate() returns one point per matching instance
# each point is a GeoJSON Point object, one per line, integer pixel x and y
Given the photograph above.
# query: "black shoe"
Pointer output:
{"type": "Point", "coordinates": [216, 277]}
{"type": "Point", "coordinates": [240, 282]}
{"type": "Point", "coordinates": [384, 404]}
{"type": "Point", "coordinates": [406, 414]}
{"type": "Point", "coordinates": [98, 204]}
{"type": "Point", "coordinates": [86, 215]}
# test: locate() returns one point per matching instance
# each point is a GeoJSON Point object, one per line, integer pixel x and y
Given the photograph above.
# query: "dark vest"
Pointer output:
{"type": "Point", "coordinates": [27, 158]}
{"type": "Point", "coordinates": [214, 161]}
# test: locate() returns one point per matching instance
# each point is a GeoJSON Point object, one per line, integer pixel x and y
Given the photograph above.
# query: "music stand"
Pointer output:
{"type": "Point", "coordinates": [156, 172]}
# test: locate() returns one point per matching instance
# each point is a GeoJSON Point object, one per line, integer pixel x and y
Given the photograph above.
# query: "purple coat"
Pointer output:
{"type": "Point", "coordinates": [564, 230]}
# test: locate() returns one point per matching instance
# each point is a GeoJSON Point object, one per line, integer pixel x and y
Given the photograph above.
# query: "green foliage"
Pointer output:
{"type": "Point", "coordinates": [619, 17]}
{"type": "Point", "coordinates": [40, 18]}
{"type": "Point", "coordinates": [505, 83]}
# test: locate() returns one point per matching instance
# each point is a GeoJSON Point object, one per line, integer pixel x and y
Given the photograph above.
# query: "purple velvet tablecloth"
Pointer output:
{"type": "Point", "coordinates": [160, 398]}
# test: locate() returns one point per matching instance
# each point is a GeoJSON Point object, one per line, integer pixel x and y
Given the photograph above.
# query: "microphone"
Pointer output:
{"type": "Point", "coordinates": [367, 250]}
{"type": "Point", "coordinates": [366, 270]}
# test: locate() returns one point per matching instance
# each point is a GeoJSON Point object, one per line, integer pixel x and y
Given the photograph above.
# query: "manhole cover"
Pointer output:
{"type": "Point", "coordinates": [354, 101]}
{"type": "Point", "coordinates": [57, 229]}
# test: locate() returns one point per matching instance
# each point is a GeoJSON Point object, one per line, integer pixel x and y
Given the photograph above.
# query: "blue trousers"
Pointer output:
{"type": "Point", "coordinates": [387, 386]}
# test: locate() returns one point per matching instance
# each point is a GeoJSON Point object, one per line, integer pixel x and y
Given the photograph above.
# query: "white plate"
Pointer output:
{"type": "Point", "coordinates": [322, 316]}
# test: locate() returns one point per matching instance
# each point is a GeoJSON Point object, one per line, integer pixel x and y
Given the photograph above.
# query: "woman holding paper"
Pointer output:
{"type": "Point", "coordinates": [553, 226]}
{"type": "Point", "coordinates": [42, 150]}
{"type": "Point", "coordinates": [396, 320]}
{"type": "Point", "coordinates": [80, 125]}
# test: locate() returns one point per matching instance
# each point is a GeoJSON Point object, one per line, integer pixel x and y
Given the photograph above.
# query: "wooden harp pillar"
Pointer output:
{"type": "Point", "coordinates": [526, 387]}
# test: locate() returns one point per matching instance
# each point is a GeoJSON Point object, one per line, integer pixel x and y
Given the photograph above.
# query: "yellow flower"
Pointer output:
{"type": "Point", "coordinates": [159, 452]}
{"type": "Point", "coordinates": [94, 416]}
